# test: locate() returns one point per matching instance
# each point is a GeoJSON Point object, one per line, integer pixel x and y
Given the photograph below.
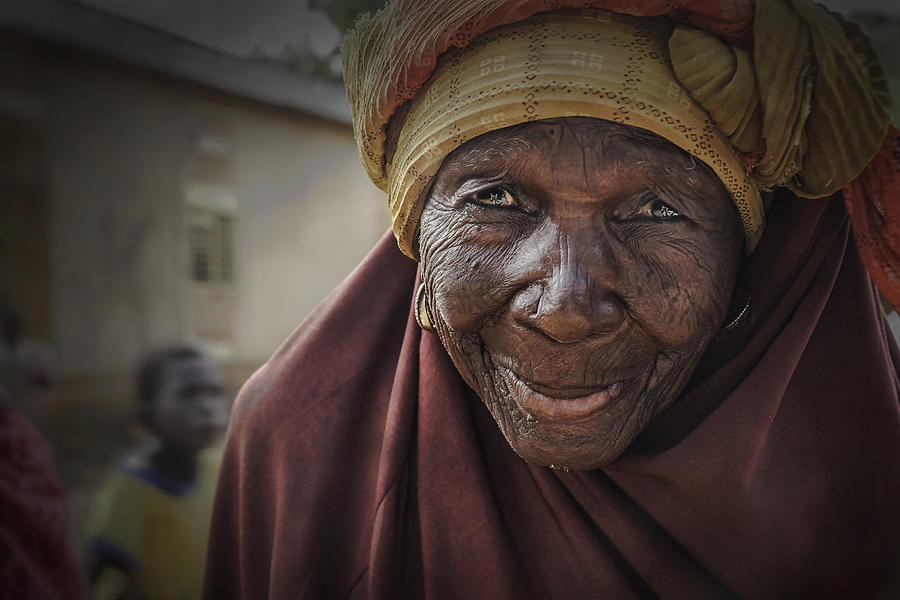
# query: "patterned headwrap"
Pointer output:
{"type": "Point", "coordinates": [768, 93]}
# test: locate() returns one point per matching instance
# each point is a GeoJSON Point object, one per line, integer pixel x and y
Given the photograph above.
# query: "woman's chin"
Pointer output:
{"type": "Point", "coordinates": [566, 458]}
{"type": "Point", "coordinates": [573, 428]}
{"type": "Point", "coordinates": [580, 445]}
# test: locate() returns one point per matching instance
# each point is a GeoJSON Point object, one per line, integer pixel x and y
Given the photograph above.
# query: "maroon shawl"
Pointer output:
{"type": "Point", "coordinates": [359, 464]}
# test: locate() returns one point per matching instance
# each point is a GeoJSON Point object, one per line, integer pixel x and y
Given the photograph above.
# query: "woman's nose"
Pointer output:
{"type": "Point", "coordinates": [568, 305]}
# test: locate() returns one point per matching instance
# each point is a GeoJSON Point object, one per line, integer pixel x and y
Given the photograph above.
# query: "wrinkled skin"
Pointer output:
{"type": "Point", "coordinates": [576, 270]}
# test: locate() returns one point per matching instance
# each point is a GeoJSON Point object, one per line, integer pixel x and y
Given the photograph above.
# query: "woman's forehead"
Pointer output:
{"type": "Point", "coordinates": [600, 137]}
{"type": "Point", "coordinates": [596, 140]}
{"type": "Point", "coordinates": [593, 156]}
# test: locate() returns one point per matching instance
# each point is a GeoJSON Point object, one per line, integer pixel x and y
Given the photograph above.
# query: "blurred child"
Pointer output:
{"type": "Point", "coordinates": [148, 526]}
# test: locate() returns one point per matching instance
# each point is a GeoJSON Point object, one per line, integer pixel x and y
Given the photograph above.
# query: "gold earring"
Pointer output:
{"type": "Point", "coordinates": [741, 304]}
{"type": "Point", "coordinates": [422, 316]}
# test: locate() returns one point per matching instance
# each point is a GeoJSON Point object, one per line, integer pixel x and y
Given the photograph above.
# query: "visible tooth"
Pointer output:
{"type": "Point", "coordinates": [530, 417]}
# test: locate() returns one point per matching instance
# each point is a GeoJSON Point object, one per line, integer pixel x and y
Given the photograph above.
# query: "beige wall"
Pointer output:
{"type": "Point", "coordinates": [308, 215]}
{"type": "Point", "coordinates": [119, 145]}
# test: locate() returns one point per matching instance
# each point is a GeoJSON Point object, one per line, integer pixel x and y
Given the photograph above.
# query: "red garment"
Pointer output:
{"type": "Point", "coordinates": [35, 558]}
{"type": "Point", "coordinates": [873, 200]}
{"type": "Point", "coordinates": [359, 465]}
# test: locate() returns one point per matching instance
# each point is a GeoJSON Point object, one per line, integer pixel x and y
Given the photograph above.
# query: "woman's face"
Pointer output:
{"type": "Point", "coordinates": [576, 270]}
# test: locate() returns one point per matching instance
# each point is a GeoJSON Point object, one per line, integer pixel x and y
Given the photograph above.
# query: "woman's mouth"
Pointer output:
{"type": "Point", "coordinates": [557, 403]}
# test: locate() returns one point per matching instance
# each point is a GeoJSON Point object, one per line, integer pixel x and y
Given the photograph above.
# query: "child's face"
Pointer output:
{"type": "Point", "coordinates": [190, 408]}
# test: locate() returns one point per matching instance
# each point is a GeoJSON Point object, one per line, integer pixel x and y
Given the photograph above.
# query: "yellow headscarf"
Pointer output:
{"type": "Point", "coordinates": [807, 108]}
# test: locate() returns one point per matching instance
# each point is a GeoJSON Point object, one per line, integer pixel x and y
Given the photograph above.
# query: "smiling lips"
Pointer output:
{"type": "Point", "coordinates": [562, 404]}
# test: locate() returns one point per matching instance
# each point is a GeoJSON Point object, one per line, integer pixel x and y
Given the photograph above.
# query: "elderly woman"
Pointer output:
{"type": "Point", "coordinates": [640, 354]}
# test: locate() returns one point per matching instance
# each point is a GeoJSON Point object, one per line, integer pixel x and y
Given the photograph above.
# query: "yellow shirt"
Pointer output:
{"type": "Point", "coordinates": [160, 532]}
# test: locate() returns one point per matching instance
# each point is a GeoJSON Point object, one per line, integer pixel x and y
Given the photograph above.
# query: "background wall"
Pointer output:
{"type": "Point", "coordinates": [107, 168]}
{"type": "Point", "coordinates": [120, 149]}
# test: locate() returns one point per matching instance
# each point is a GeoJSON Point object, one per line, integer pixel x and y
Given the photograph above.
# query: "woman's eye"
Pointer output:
{"type": "Point", "coordinates": [658, 209]}
{"type": "Point", "coordinates": [495, 196]}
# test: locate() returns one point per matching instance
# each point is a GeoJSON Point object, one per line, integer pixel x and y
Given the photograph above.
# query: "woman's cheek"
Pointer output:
{"type": "Point", "coordinates": [466, 288]}
{"type": "Point", "coordinates": [681, 311]}
{"type": "Point", "coordinates": [463, 269]}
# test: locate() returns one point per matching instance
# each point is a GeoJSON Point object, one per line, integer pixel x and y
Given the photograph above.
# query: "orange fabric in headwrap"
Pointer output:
{"type": "Point", "coordinates": [873, 200]}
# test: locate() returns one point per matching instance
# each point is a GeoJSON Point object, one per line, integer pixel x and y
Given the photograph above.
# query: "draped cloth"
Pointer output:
{"type": "Point", "coordinates": [359, 465]}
